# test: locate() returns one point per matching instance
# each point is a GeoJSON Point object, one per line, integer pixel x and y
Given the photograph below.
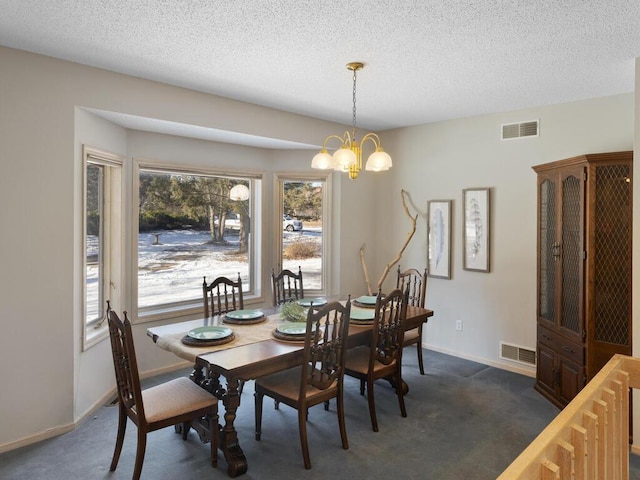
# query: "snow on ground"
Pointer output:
{"type": "Point", "coordinates": [173, 269]}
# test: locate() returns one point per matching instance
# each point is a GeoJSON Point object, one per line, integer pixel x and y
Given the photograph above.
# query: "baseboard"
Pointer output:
{"type": "Point", "coordinates": [522, 370]}
{"type": "Point", "coordinates": [62, 429]}
{"type": "Point", "coordinates": [38, 437]}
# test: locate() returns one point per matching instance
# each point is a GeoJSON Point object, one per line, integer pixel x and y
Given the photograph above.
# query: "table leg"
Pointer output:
{"type": "Point", "coordinates": [230, 397]}
{"type": "Point", "coordinates": [228, 435]}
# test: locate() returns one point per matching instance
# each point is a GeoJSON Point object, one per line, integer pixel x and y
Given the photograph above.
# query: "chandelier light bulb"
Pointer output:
{"type": "Point", "coordinates": [378, 161]}
{"type": "Point", "coordinates": [323, 160]}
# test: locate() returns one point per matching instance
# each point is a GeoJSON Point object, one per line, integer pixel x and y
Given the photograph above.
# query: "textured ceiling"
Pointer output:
{"type": "Point", "coordinates": [425, 60]}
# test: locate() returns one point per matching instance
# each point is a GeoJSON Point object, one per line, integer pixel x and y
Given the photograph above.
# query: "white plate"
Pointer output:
{"type": "Point", "coordinates": [245, 314]}
{"type": "Point", "coordinates": [210, 333]}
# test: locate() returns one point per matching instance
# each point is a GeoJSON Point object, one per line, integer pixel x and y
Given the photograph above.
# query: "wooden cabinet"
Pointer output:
{"type": "Point", "coordinates": [584, 269]}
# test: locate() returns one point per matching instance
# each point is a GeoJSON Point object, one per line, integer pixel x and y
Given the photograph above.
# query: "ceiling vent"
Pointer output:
{"type": "Point", "coordinates": [517, 354]}
{"type": "Point", "coordinates": [520, 130]}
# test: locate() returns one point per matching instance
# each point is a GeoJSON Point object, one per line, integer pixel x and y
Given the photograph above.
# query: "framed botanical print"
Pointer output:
{"type": "Point", "coordinates": [439, 238]}
{"type": "Point", "coordinates": [476, 229]}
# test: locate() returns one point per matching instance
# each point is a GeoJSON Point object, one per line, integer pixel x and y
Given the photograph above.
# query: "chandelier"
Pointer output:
{"type": "Point", "coordinates": [348, 158]}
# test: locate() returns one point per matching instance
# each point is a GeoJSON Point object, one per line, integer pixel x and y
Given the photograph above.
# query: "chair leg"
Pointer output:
{"type": "Point", "coordinates": [361, 387]}
{"type": "Point", "coordinates": [213, 431]}
{"type": "Point", "coordinates": [304, 443]}
{"type": "Point", "coordinates": [341, 423]}
{"type": "Point", "coordinates": [326, 405]}
{"type": "Point", "coordinates": [420, 361]}
{"type": "Point", "coordinates": [399, 391]}
{"type": "Point", "coordinates": [142, 446]}
{"type": "Point", "coordinates": [372, 405]}
{"type": "Point", "coordinates": [258, 408]}
{"type": "Point", "coordinates": [186, 426]}
{"type": "Point", "coordinates": [276, 405]}
{"type": "Point", "coordinates": [122, 426]}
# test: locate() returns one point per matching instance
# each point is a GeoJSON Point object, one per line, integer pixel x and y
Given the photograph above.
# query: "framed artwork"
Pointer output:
{"type": "Point", "coordinates": [439, 238]}
{"type": "Point", "coordinates": [476, 229]}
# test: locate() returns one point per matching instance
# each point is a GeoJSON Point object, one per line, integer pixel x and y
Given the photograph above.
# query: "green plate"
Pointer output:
{"type": "Point", "coordinates": [210, 333]}
{"type": "Point", "coordinates": [317, 302]}
{"type": "Point", "coordinates": [245, 314]}
{"type": "Point", "coordinates": [293, 328]}
{"type": "Point", "coordinates": [367, 299]}
{"type": "Point", "coordinates": [362, 314]}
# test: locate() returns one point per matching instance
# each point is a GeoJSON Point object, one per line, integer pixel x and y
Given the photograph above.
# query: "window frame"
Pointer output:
{"type": "Point", "coordinates": [194, 306]}
{"type": "Point", "coordinates": [111, 234]}
{"type": "Point", "coordinates": [278, 185]}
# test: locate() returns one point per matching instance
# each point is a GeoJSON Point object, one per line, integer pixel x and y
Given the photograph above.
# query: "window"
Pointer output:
{"type": "Point", "coordinates": [304, 210]}
{"type": "Point", "coordinates": [190, 226]}
{"type": "Point", "coordinates": [102, 214]}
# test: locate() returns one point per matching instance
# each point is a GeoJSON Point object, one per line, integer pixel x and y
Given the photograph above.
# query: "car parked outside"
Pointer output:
{"type": "Point", "coordinates": [291, 224]}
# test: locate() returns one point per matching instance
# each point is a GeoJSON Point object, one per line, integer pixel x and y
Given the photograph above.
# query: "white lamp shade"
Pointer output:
{"type": "Point", "coordinates": [378, 161]}
{"type": "Point", "coordinates": [239, 193]}
{"type": "Point", "coordinates": [322, 161]}
{"type": "Point", "coordinates": [344, 157]}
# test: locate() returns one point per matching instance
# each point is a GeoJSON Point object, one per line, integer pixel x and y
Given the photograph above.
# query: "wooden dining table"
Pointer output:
{"type": "Point", "coordinates": [250, 358]}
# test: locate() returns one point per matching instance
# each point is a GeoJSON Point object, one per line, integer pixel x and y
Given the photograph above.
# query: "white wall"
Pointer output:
{"type": "Point", "coordinates": [437, 161]}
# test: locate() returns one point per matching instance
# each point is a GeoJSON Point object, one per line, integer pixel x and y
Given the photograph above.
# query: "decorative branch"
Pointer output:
{"type": "Point", "coordinates": [404, 246]}
{"type": "Point", "coordinates": [364, 269]}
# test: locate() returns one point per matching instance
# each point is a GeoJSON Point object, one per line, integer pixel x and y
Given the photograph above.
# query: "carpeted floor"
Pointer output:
{"type": "Point", "coordinates": [465, 421]}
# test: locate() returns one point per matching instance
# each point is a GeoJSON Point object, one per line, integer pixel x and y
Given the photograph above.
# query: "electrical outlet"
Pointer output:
{"type": "Point", "coordinates": [459, 325]}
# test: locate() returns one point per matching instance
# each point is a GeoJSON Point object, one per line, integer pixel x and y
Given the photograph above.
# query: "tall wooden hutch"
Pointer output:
{"type": "Point", "coordinates": [584, 269]}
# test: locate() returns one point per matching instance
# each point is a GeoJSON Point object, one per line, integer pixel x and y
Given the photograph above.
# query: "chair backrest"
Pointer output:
{"type": "Point", "coordinates": [417, 284]}
{"type": "Point", "coordinates": [286, 286]}
{"type": "Point", "coordinates": [387, 333]}
{"type": "Point", "coordinates": [222, 295]}
{"type": "Point", "coordinates": [125, 364]}
{"type": "Point", "coordinates": [325, 346]}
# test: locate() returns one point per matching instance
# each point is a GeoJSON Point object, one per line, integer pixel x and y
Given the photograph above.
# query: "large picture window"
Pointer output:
{"type": "Point", "coordinates": [102, 238]}
{"type": "Point", "coordinates": [192, 224]}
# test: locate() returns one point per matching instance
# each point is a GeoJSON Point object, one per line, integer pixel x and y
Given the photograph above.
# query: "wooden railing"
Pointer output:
{"type": "Point", "coordinates": [589, 439]}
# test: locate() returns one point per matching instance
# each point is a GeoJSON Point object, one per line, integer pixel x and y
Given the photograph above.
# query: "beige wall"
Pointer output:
{"type": "Point", "coordinates": [42, 130]}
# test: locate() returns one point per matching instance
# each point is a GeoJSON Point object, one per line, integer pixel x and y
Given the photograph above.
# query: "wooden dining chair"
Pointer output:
{"type": "Point", "coordinates": [320, 377]}
{"type": "Point", "coordinates": [178, 401]}
{"type": "Point", "coordinates": [383, 357]}
{"type": "Point", "coordinates": [417, 284]}
{"type": "Point", "coordinates": [286, 286]}
{"type": "Point", "coordinates": [222, 296]}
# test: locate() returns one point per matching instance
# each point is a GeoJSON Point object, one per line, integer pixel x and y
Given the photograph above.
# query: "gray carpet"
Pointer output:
{"type": "Point", "coordinates": [465, 421]}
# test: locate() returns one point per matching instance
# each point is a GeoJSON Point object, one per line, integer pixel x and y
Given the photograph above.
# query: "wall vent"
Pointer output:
{"type": "Point", "coordinates": [519, 130]}
{"type": "Point", "coordinates": [517, 354]}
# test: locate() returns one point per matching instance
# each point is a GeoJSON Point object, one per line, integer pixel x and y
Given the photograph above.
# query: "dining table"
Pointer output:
{"type": "Point", "coordinates": [254, 350]}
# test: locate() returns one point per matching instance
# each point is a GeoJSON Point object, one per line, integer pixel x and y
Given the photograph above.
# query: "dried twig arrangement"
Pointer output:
{"type": "Point", "coordinates": [387, 268]}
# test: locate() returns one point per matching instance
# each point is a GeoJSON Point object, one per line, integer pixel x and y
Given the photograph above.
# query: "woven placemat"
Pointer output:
{"type": "Point", "coordinates": [361, 322]}
{"type": "Point", "coordinates": [287, 338]}
{"type": "Point", "coordinates": [192, 342]}
{"type": "Point", "coordinates": [252, 321]}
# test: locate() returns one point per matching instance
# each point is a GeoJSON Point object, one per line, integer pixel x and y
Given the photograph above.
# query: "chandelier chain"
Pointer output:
{"type": "Point", "coordinates": [353, 124]}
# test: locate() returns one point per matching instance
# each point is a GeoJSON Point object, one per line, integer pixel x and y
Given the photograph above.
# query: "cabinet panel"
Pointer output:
{"type": "Point", "coordinates": [571, 379]}
{"type": "Point", "coordinates": [546, 370]}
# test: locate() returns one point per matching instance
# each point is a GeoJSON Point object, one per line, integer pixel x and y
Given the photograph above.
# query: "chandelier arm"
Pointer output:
{"type": "Point", "coordinates": [375, 139]}
{"type": "Point", "coordinates": [345, 139]}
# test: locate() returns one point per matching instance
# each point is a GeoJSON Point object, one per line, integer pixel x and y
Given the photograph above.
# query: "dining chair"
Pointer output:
{"type": "Point", "coordinates": [176, 402]}
{"type": "Point", "coordinates": [383, 357]}
{"type": "Point", "coordinates": [417, 284]}
{"type": "Point", "coordinates": [318, 379]}
{"type": "Point", "coordinates": [222, 296]}
{"type": "Point", "coordinates": [286, 286]}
